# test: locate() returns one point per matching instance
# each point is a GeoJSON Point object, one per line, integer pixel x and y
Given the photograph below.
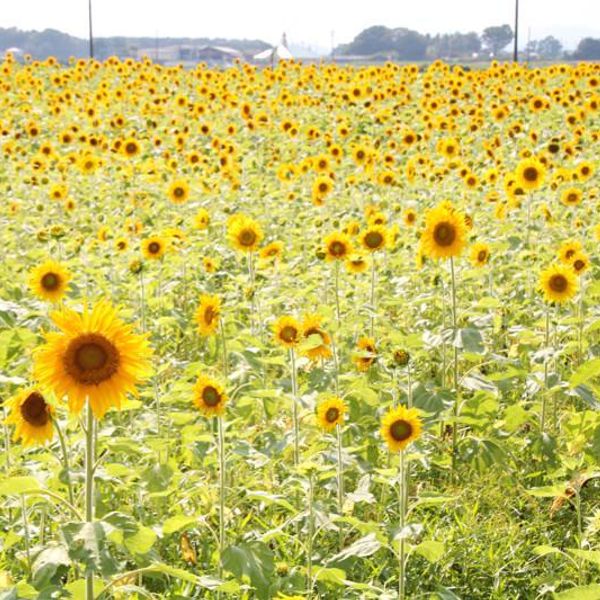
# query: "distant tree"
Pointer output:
{"type": "Point", "coordinates": [497, 37]}
{"type": "Point", "coordinates": [549, 48]}
{"type": "Point", "coordinates": [403, 43]}
{"type": "Point", "coordinates": [371, 40]}
{"type": "Point", "coordinates": [454, 45]}
{"type": "Point", "coordinates": [588, 49]}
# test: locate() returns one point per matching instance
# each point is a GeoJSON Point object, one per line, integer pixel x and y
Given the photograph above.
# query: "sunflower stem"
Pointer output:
{"type": "Point", "coordinates": [402, 503]}
{"type": "Point", "coordinates": [581, 321]}
{"type": "Point", "coordinates": [89, 489]}
{"type": "Point", "coordinates": [221, 494]}
{"type": "Point", "coordinates": [142, 302]}
{"type": "Point", "coordinates": [409, 387]}
{"type": "Point", "coordinates": [6, 441]}
{"type": "Point", "coordinates": [372, 301]}
{"type": "Point", "coordinates": [224, 348]}
{"type": "Point", "coordinates": [65, 460]}
{"type": "Point", "coordinates": [337, 291]}
{"type": "Point", "coordinates": [26, 532]}
{"type": "Point", "coordinates": [455, 367]}
{"type": "Point", "coordinates": [340, 470]}
{"type": "Point", "coordinates": [295, 409]}
{"type": "Point", "coordinates": [311, 533]}
{"type": "Point", "coordinates": [546, 343]}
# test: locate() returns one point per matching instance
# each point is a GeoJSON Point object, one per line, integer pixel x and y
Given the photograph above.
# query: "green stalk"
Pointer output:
{"type": "Point", "coordinates": [295, 409]}
{"type": "Point", "coordinates": [337, 291]}
{"type": "Point", "coordinates": [65, 457]}
{"type": "Point", "coordinates": [455, 368]}
{"type": "Point", "coordinates": [546, 342]}
{"type": "Point", "coordinates": [372, 295]}
{"type": "Point", "coordinates": [26, 531]}
{"type": "Point", "coordinates": [221, 494]}
{"type": "Point", "coordinates": [340, 470]}
{"type": "Point", "coordinates": [311, 533]}
{"type": "Point", "coordinates": [89, 489]}
{"type": "Point", "coordinates": [402, 502]}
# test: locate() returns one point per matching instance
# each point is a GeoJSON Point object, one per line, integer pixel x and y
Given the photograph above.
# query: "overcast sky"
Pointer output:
{"type": "Point", "coordinates": [308, 21]}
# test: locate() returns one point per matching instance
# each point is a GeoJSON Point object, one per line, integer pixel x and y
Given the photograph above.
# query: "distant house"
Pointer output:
{"type": "Point", "coordinates": [185, 54]}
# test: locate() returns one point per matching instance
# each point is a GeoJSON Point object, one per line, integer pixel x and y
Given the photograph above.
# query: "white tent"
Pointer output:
{"type": "Point", "coordinates": [279, 52]}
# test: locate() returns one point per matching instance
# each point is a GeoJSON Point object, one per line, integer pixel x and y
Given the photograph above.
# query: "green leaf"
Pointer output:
{"type": "Point", "coordinates": [87, 544]}
{"type": "Point", "coordinates": [173, 524]}
{"type": "Point", "coordinates": [141, 541]}
{"type": "Point", "coordinates": [365, 546]}
{"type": "Point", "coordinates": [515, 416]}
{"type": "Point", "coordinates": [547, 491]}
{"type": "Point", "coordinates": [585, 372]}
{"type": "Point", "coordinates": [545, 550]}
{"type": "Point", "coordinates": [582, 592]}
{"type": "Point", "coordinates": [330, 575]}
{"type": "Point", "coordinates": [430, 550]}
{"type": "Point", "coordinates": [77, 588]}
{"type": "Point", "coordinates": [589, 555]}
{"type": "Point", "coordinates": [47, 563]}
{"type": "Point", "coordinates": [253, 560]}
{"type": "Point", "coordinates": [18, 485]}
{"type": "Point", "coordinates": [469, 340]}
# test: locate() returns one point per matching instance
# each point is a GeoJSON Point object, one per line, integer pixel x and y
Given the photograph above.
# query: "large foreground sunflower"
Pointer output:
{"type": "Point", "coordinates": [558, 283]}
{"type": "Point", "coordinates": [287, 331]}
{"type": "Point", "coordinates": [32, 417]}
{"type": "Point", "coordinates": [445, 233]}
{"type": "Point", "coordinates": [400, 426]}
{"type": "Point", "coordinates": [244, 234]}
{"type": "Point", "coordinates": [209, 396]}
{"type": "Point", "coordinates": [94, 355]}
{"type": "Point", "coordinates": [49, 281]}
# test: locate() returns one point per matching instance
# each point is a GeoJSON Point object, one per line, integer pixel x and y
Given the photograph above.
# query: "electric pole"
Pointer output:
{"type": "Point", "coordinates": [516, 49]}
{"type": "Point", "coordinates": [90, 28]}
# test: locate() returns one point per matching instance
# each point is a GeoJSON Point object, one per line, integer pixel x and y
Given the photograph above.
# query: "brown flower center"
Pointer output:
{"type": "Point", "coordinates": [337, 249]}
{"type": "Point", "coordinates": [154, 247]}
{"type": "Point", "coordinates": [572, 198]}
{"type": "Point", "coordinates": [50, 281]}
{"type": "Point", "coordinates": [530, 174]}
{"type": "Point", "coordinates": [323, 187]}
{"type": "Point", "coordinates": [247, 237]}
{"type": "Point", "coordinates": [34, 410]}
{"type": "Point", "coordinates": [400, 430]}
{"type": "Point", "coordinates": [578, 265]}
{"type": "Point", "coordinates": [178, 192]}
{"type": "Point", "coordinates": [482, 256]}
{"type": "Point", "coordinates": [374, 239]}
{"type": "Point", "coordinates": [289, 334]}
{"type": "Point", "coordinates": [444, 234]}
{"type": "Point", "coordinates": [211, 396]}
{"type": "Point", "coordinates": [209, 315]}
{"type": "Point", "coordinates": [131, 148]}
{"type": "Point", "coordinates": [332, 414]}
{"type": "Point", "coordinates": [558, 283]}
{"type": "Point", "coordinates": [91, 359]}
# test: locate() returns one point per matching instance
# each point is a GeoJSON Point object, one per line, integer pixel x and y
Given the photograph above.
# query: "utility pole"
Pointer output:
{"type": "Point", "coordinates": [90, 27]}
{"type": "Point", "coordinates": [516, 49]}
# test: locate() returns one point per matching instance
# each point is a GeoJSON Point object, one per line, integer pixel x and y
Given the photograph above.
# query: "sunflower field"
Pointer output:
{"type": "Point", "coordinates": [308, 331]}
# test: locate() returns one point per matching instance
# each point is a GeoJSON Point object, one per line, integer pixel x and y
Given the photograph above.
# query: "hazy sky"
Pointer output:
{"type": "Point", "coordinates": [309, 21]}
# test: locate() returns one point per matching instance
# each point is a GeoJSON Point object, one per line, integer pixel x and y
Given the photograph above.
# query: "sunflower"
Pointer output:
{"type": "Point", "coordinates": [571, 196]}
{"type": "Point", "coordinates": [272, 251]}
{"type": "Point", "coordinates": [130, 147]}
{"type": "Point", "coordinates": [558, 283]}
{"type": "Point", "coordinates": [530, 174]}
{"type": "Point", "coordinates": [121, 244]}
{"type": "Point", "coordinates": [321, 187]}
{"type": "Point", "coordinates": [374, 238]}
{"type": "Point", "coordinates": [445, 233]}
{"type": "Point", "coordinates": [244, 233]}
{"type": "Point", "coordinates": [366, 354]}
{"type": "Point", "coordinates": [202, 219]}
{"type": "Point", "coordinates": [210, 264]}
{"type": "Point", "coordinates": [154, 247]}
{"type": "Point", "coordinates": [311, 326]}
{"type": "Point", "coordinates": [32, 417]}
{"type": "Point", "coordinates": [331, 412]}
{"type": "Point", "coordinates": [94, 356]}
{"type": "Point", "coordinates": [209, 396]}
{"type": "Point", "coordinates": [178, 191]}
{"type": "Point", "coordinates": [287, 331]}
{"type": "Point", "coordinates": [568, 250]}
{"type": "Point", "coordinates": [409, 217]}
{"type": "Point", "coordinates": [356, 263]}
{"type": "Point", "coordinates": [580, 263]}
{"type": "Point", "coordinates": [479, 254]}
{"type": "Point", "coordinates": [337, 246]}
{"type": "Point", "coordinates": [208, 314]}
{"type": "Point", "coordinates": [400, 426]}
{"type": "Point", "coordinates": [49, 281]}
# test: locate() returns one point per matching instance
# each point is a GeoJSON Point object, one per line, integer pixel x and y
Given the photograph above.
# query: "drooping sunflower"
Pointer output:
{"type": "Point", "coordinates": [244, 234]}
{"type": "Point", "coordinates": [400, 426]}
{"type": "Point", "coordinates": [337, 246]}
{"type": "Point", "coordinates": [287, 331]}
{"type": "Point", "coordinates": [154, 247]}
{"type": "Point", "coordinates": [356, 263]}
{"type": "Point", "coordinates": [330, 412]}
{"type": "Point", "coordinates": [32, 417]}
{"type": "Point", "coordinates": [374, 238]}
{"type": "Point", "coordinates": [580, 263]}
{"type": "Point", "coordinates": [311, 326]}
{"type": "Point", "coordinates": [558, 283]}
{"type": "Point", "coordinates": [479, 254]}
{"type": "Point", "coordinates": [530, 174]}
{"type": "Point", "coordinates": [445, 233]}
{"type": "Point", "coordinates": [178, 191]}
{"type": "Point", "coordinates": [49, 281]}
{"type": "Point", "coordinates": [202, 219]}
{"type": "Point", "coordinates": [568, 250]}
{"type": "Point", "coordinates": [571, 196]}
{"type": "Point", "coordinates": [209, 396]}
{"type": "Point", "coordinates": [208, 314]}
{"type": "Point", "coordinates": [94, 355]}
{"type": "Point", "coordinates": [366, 353]}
